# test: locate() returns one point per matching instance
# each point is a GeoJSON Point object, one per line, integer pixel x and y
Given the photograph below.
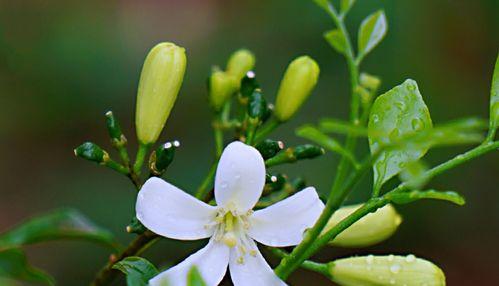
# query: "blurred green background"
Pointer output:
{"type": "Point", "coordinates": [64, 63]}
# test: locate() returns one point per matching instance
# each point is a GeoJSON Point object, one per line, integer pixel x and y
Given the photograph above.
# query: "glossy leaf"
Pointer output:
{"type": "Point", "coordinates": [394, 115]}
{"type": "Point", "coordinates": [138, 270]}
{"type": "Point", "coordinates": [194, 278]}
{"type": "Point", "coordinates": [311, 133]}
{"type": "Point", "coordinates": [60, 224]}
{"type": "Point", "coordinates": [494, 97]}
{"type": "Point", "coordinates": [372, 30]}
{"type": "Point", "coordinates": [346, 5]}
{"type": "Point", "coordinates": [14, 265]}
{"type": "Point", "coordinates": [336, 39]}
{"type": "Point", "coordinates": [409, 197]}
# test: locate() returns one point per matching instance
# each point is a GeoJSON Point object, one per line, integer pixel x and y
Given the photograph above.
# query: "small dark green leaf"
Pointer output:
{"type": "Point", "coordinates": [372, 30]}
{"type": "Point", "coordinates": [494, 98]}
{"type": "Point", "coordinates": [394, 115]}
{"type": "Point", "coordinates": [311, 133]}
{"type": "Point", "coordinates": [336, 39]}
{"type": "Point", "coordinates": [60, 224]}
{"type": "Point", "coordinates": [409, 197]}
{"type": "Point", "coordinates": [138, 270]}
{"type": "Point", "coordinates": [194, 278]}
{"type": "Point", "coordinates": [13, 265]}
{"type": "Point", "coordinates": [346, 5]}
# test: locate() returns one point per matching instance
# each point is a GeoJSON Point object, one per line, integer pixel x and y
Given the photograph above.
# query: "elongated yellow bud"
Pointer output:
{"type": "Point", "coordinates": [386, 270]}
{"type": "Point", "coordinates": [240, 62]}
{"type": "Point", "coordinates": [369, 230]}
{"type": "Point", "coordinates": [221, 86]}
{"type": "Point", "coordinates": [160, 81]}
{"type": "Point", "coordinates": [298, 82]}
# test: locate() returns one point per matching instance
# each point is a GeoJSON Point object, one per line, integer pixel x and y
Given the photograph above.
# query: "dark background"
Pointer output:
{"type": "Point", "coordinates": [64, 63]}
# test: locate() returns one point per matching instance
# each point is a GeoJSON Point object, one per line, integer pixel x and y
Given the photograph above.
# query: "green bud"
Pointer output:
{"type": "Point", "coordinates": [274, 182]}
{"type": "Point", "coordinates": [160, 81]}
{"type": "Point", "coordinates": [162, 157]}
{"type": "Point", "coordinates": [114, 130]}
{"type": "Point", "coordinates": [248, 84]}
{"type": "Point", "coordinates": [257, 105]}
{"type": "Point", "coordinates": [369, 81]}
{"type": "Point", "coordinates": [308, 151]}
{"type": "Point", "coordinates": [298, 82]}
{"type": "Point", "coordinates": [298, 184]}
{"type": "Point", "coordinates": [91, 152]}
{"type": "Point", "coordinates": [269, 148]}
{"type": "Point", "coordinates": [366, 97]}
{"type": "Point", "coordinates": [240, 62]}
{"type": "Point", "coordinates": [136, 227]}
{"type": "Point", "coordinates": [386, 270]}
{"type": "Point", "coordinates": [221, 86]}
{"type": "Point", "coordinates": [369, 230]}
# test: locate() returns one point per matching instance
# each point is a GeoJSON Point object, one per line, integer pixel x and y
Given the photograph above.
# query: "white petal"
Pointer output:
{"type": "Point", "coordinates": [240, 177]}
{"type": "Point", "coordinates": [211, 261]}
{"type": "Point", "coordinates": [170, 212]}
{"type": "Point", "coordinates": [253, 270]}
{"type": "Point", "coordinates": [283, 223]}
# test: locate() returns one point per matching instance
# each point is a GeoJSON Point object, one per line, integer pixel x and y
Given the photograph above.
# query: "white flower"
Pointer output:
{"type": "Point", "coordinates": [232, 225]}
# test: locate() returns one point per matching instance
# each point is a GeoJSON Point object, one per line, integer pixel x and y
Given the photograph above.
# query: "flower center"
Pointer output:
{"type": "Point", "coordinates": [231, 229]}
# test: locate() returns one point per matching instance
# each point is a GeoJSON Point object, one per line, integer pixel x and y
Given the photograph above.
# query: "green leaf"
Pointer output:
{"type": "Point", "coordinates": [194, 278]}
{"type": "Point", "coordinates": [494, 98]}
{"type": "Point", "coordinates": [324, 4]}
{"type": "Point", "coordinates": [311, 133]}
{"type": "Point", "coordinates": [394, 115]}
{"type": "Point", "coordinates": [409, 197]}
{"type": "Point", "coordinates": [372, 30]}
{"type": "Point", "coordinates": [138, 270]}
{"type": "Point", "coordinates": [337, 40]}
{"type": "Point", "coordinates": [332, 125]}
{"type": "Point", "coordinates": [59, 224]}
{"type": "Point", "coordinates": [346, 5]}
{"type": "Point", "coordinates": [14, 265]}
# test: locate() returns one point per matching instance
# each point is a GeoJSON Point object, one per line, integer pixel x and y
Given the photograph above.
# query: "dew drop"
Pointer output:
{"type": "Point", "coordinates": [375, 118]}
{"type": "Point", "coordinates": [394, 134]}
{"type": "Point", "coordinates": [410, 258]}
{"type": "Point", "coordinates": [417, 124]}
{"type": "Point", "coordinates": [395, 268]}
{"type": "Point", "coordinates": [400, 105]}
{"type": "Point", "coordinates": [411, 87]}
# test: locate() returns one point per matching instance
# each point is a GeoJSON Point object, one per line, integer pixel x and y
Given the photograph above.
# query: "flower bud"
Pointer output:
{"type": "Point", "coordinates": [136, 227]}
{"type": "Point", "coordinates": [257, 105]}
{"type": "Point", "coordinates": [248, 84]}
{"type": "Point", "coordinates": [385, 270]}
{"type": "Point", "coordinates": [160, 81]}
{"type": "Point", "coordinates": [240, 62]}
{"type": "Point", "coordinates": [221, 86]}
{"type": "Point", "coordinates": [308, 151]}
{"type": "Point", "coordinates": [269, 148]}
{"type": "Point", "coordinates": [114, 130]}
{"type": "Point", "coordinates": [91, 152]}
{"type": "Point", "coordinates": [298, 82]}
{"type": "Point", "coordinates": [369, 81]}
{"type": "Point", "coordinates": [274, 182]}
{"type": "Point", "coordinates": [162, 157]}
{"type": "Point", "coordinates": [369, 230]}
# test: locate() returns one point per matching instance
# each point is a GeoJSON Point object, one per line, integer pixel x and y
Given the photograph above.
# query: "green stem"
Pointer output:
{"type": "Point", "coordinates": [116, 166]}
{"type": "Point", "coordinates": [266, 129]}
{"type": "Point", "coordinates": [321, 268]}
{"type": "Point", "coordinates": [205, 186]}
{"type": "Point", "coordinates": [337, 194]}
{"type": "Point", "coordinates": [124, 155]}
{"type": "Point", "coordinates": [139, 160]}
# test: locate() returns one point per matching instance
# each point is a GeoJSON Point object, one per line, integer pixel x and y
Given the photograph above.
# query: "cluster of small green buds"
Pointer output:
{"type": "Point", "coordinates": [385, 270]}
{"type": "Point", "coordinates": [368, 81]}
{"type": "Point", "coordinates": [293, 154]}
{"type": "Point", "coordinates": [240, 62]}
{"type": "Point", "coordinates": [114, 130]}
{"type": "Point", "coordinates": [369, 230]}
{"type": "Point", "coordinates": [268, 148]}
{"type": "Point", "coordinates": [369, 84]}
{"type": "Point", "coordinates": [160, 82]}
{"type": "Point", "coordinates": [298, 82]}
{"type": "Point", "coordinates": [92, 152]}
{"type": "Point", "coordinates": [162, 157]}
